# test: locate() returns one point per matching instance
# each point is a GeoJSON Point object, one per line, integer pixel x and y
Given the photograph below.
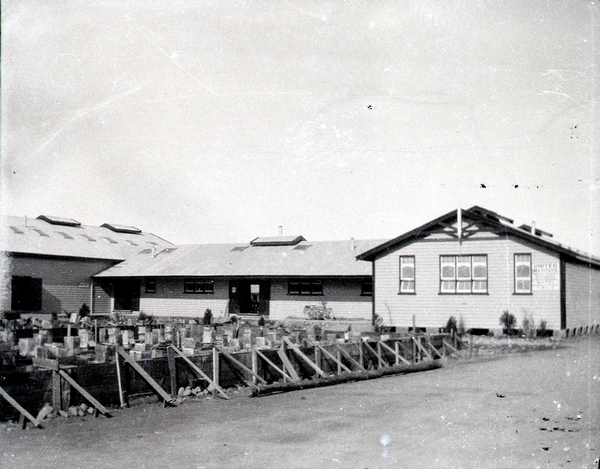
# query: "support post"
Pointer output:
{"type": "Point", "coordinates": [84, 393]}
{"type": "Point", "coordinates": [56, 394]}
{"type": "Point", "coordinates": [254, 366]}
{"type": "Point", "coordinates": [216, 372]}
{"type": "Point", "coordinates": [310, 363]}
{"type": "Point", "coordinates": [172, 370]}
{"type": "Point", "coordinates": [22, 411]}
{"type": "Point", "coordinates": [121, 396]}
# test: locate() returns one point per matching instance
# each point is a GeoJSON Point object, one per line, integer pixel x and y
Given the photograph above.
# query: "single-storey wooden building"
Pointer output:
{"type": "Point", "coordinates": [475, 264]}
{"type": "Point", "coordinates": [48, 262]}
{"type": "Point", "coordinates": [274, 277]}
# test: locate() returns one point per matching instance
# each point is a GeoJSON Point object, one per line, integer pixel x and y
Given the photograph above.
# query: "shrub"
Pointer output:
{"type": "Point", "coordinates": [543, 330]}
{"type": "Point", "coordinates": [528, 325]}
{"type": "Point", "coordinates": [451, 325]}
{"type": "Point", "coordinates": [508, 321]}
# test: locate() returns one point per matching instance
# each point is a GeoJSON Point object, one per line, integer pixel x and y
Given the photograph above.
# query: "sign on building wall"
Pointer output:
{"type": "Point", "coordinates": [546, 276]}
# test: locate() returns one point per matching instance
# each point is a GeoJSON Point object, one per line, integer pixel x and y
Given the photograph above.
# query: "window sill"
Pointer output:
{"type": "Point", "coordinates": [522, 294]}
{"type": "Point", "coordinates": [197, 293]}
{"type": "Point", "coordinates": [305, 294]}
{"type": "Point", "coordinates": [407, 293]}
{"type": "Point", "coordinates": [463, 294]}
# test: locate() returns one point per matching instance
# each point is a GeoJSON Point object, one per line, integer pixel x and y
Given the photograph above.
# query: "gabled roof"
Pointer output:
{"type": "Point", "coordinates": [55, 236]}
{"type": "Point", "coordinates": [481, 217]}
{"type": "Point", "coordinates": [319, 258]}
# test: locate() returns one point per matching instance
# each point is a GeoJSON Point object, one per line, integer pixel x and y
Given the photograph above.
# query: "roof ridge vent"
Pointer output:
{"type": "Point", "coordinates": [277, 240]}
{"type": "Point", "coordinates": [59, 220]}
{"type": "Point", "coordinates": [121, 228]}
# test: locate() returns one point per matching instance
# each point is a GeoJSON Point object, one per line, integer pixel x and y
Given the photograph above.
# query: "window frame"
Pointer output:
{"type": "Point", "coordinates": [305, 287]}
{"type": "Point", "coordinates": [408, 280]}
{"type": "Point", "coordinates": [455, 284]}
{"type": "Point", "coordinates": [198, 285]}
{"type": "Point", "coordinates": [366, 287]}
{"type": "Point", "coordinates": [150, 285]}
{"type": "Point", "coordinates": [516, 290]}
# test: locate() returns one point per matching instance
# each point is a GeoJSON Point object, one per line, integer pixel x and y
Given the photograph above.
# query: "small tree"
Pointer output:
{"type": "Point", "coordinates": [508, 321]}
{"type": "Point", "coordinates": [451, 325]}
{"type": "Point", "coordinates": [528, 325]}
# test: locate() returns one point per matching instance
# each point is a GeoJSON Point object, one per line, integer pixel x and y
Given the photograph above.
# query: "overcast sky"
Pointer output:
{"type": "Point", "coordinates": [206, 121]}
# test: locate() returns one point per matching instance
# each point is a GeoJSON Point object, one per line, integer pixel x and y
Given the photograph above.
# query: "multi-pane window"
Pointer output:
{"type": "Point", "coordinates": [366, 287]}
{"type": "Point", "coordinates": [523, 273]}
{"type": "Point", "coordinates": [305, 287]}
{"type": "Point", "coordinates": [463, 274]}
{"type": "Point", "coordinates": [407, 274]}
{"type": "Point", "coordinates": [198, 285]}
{"type": "Point", "coordinates": [150, 285]}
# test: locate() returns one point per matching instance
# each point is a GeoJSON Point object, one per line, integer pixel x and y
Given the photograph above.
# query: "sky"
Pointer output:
{"type": "Point", "coordinates": [220, 121]}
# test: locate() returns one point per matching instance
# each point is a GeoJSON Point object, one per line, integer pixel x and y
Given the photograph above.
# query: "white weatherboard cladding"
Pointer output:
{"type": "Point", "coordinates": [582, 295]}
{"type": "Point", "coordinates": [432, 310]}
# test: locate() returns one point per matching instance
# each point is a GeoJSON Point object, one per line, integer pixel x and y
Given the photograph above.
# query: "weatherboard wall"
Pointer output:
{"type": "Point", "coordinates": [432, 309]}
{"type": "Point", "coordinates": [582, 287]}
{"type": "Point", "coordinates": [65, 282]}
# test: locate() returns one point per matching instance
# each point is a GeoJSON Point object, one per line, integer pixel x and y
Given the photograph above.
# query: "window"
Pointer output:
{"type": "Point", "coordinates": [26, 294]}
{"type": "Point", "coordinates": [150, 285]}
{"type": "Point", "coordinates": [407, 274]}
{"type": "Point", "coordinates": [463, 274]}
{"type": "Point", "coordinates": [523, 273]}
{"type": "Point", "coordinates": [366, 287]}
{"type": "Point", "coordinates": [198, 285]}
{"type": "Point", "coordinates": [305, 287]}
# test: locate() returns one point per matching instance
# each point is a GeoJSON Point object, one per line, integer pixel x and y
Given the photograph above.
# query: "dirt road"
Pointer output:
{"type": "Point", "coordinates": [525, 410]}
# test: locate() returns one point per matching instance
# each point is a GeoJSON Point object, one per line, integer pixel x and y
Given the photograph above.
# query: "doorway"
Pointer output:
{"type": "Point", "coordinates": [127, 295]}
{"type": "Point", "coordinates": [249, 297]}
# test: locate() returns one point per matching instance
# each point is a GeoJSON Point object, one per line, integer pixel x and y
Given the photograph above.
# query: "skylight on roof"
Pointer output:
{"type": "Point", "coordinates": [110, 240]}
{"type": "Point", "coordinates": [277, 241]}
{"type": "Point", "coordinates": [121, 228]}
{"type": "Point", "coordinates": [130, 242]}
{"type": "Point", "coordinates": [302, 247]}
{"type": "Point", "coordinates": [239, 248]}
{"type": "Point", "coordinates": [59, 220]}
{"type": "Point", "coordinates": [16, 230]}
{"type": "Point", "coordinates": [64, 235]}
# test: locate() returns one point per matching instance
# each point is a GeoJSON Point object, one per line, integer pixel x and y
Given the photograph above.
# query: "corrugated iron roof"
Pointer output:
{"type": "Point", "coordinates": [319, 258]}
{"type": "Point", "coordinates": [39, 236]}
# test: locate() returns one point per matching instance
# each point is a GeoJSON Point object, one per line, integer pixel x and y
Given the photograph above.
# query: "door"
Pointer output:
{"type": "Point", "coordinates": [249, 297]}
{"type": "Point", "coordinates": [127, 295]}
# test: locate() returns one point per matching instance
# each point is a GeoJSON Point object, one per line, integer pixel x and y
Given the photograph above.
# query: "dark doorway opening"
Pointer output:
{"type": "Point", "coordinates": [249, 297]}
{"type": "Point", "coordinates": [127, 295]}
{"type": "Point", "coordinates": [26, 293]}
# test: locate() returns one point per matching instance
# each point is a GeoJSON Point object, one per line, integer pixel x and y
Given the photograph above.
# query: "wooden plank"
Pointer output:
{"type": "Point", "coordinates": [172, 371]}
{"type": "Point", "coordinates": [121, 395]}
{"type": "Point", "coordinates": [283, 373]}
{"type": "Point", "coordinates": [17, 406]}
{"type": "Point", "coordinates": [395, 352]}
{"type": "Point", "coordinates": [84, 393]}
{"type": "Point", "coordinates": [200, 372]}
{"type": "Point", "coordinates": [254, 365]}
{"type": "Point", "coordinates": [216, 372]}
{"type": "Point", "coordinates": [56, 395]}
{"type": "Point", "coordinates": [417, 342]}
{"type": "Point", "coordinates": [433, 349]}
{"type": "Point", "coordinates": [167, 398]}
{"type": "Point", "coordinates": [450, 346]}
{"type": "Point", "coordinates": [240, 365]}
{"type": "Point", "coordinates": [288, 365]}
{"type": "Point", "coordinates": [347, 377]}
{"type": "Point", "coordinates": [350, 358]}
{"type": "Point", "coordinates": [379, 358]}
{"type": "Point", "coordinates": [335, 359]}
{"type": "Point", "coordinates": [310, 363]}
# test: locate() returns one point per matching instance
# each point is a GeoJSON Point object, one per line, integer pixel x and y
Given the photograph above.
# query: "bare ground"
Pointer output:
{"type": "Point", "coordinates": [518, 410]}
